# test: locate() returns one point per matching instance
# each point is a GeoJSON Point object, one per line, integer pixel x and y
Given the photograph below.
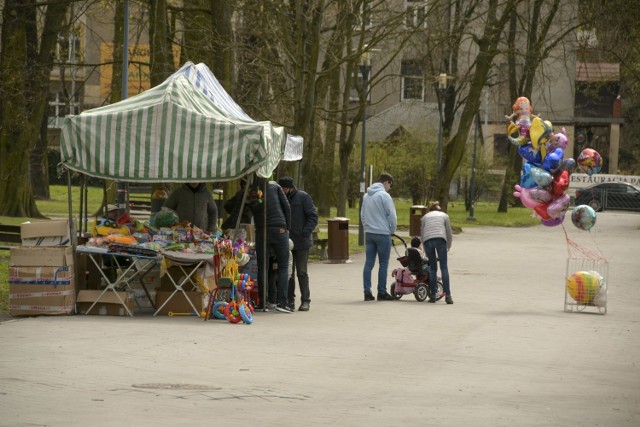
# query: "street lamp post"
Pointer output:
{"type": "Point", "coordinates": [364, 70]}
{"type": "Point", "coordinates": [472, 192]}
{"type": "Point", "coordinates": [442, 86]}
{"type": "Point", "coordinates": [121, 185]}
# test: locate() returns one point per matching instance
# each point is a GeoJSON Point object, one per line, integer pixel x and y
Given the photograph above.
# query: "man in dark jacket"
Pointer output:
{"type": "Point", "coordinates": [193, 202]}
{"type": "Point", "coordinates": [276, 229]}
{"type": "Point", "coordinates": [304, 219]}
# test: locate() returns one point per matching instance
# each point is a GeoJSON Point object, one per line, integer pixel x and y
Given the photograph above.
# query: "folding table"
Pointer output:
{"type": "Point", "coordinates": [190, 260]}
{"type": "Point", "coordinates": [97, 253]}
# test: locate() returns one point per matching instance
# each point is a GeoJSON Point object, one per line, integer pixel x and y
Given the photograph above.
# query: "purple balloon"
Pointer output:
{"type": "Point", "coordinates": [552, 222]}
{"type": "Point", "coordinates": [541, 195]}
{"type": "Point", "coordinates": [558, 207]}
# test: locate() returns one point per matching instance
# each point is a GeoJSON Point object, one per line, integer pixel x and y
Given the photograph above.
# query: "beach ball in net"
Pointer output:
{"type": "Point", "coordinates": [583, 286]}
{"type": "Point", "coordinates": [583, 217]}
{"type": "Point", "coordinates": [589, 161]}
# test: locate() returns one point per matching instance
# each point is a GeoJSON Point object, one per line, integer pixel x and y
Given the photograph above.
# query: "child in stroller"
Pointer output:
{"type": "Point", "coordinates": [413, 276]}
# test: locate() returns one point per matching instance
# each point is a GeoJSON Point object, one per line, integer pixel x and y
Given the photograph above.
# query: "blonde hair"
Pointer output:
{"type": "Point", "coordinates": [434, 206]}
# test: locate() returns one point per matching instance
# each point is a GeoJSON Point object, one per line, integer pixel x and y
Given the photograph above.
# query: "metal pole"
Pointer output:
{"type": "Point", "coordinates": [122, 186]}
{"type": "Point", "coordinates": [472, 192]}
{"type": "Point", "coordinates": [440, 122]}
{"type": "Point", "coordinates": [363, 172]}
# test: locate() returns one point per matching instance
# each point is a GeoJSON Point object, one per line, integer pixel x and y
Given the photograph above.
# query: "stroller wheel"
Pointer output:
{"type": "Point", "coordinates": [393, 292]}
{"type": "Point", "coordinates": [421, 292]}
{"type": "Point", "coordinates": [440, 290]}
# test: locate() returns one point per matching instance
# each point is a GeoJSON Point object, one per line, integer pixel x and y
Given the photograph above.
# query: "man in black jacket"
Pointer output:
{"type": "Point", "coordinates": [304, 219]}
{"type": "Point", "coordinates": [276, 228]}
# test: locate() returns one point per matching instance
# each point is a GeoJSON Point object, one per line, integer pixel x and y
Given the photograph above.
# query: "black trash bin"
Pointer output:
{"type": "Point", "coordinates": [338, 248]}
{"type": "Point", "coordinates": [416, 213]}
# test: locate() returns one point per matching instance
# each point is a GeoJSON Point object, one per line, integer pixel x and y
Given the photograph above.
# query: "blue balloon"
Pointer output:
{"type": "Point", "coordinates": [526, 179]}
{"type": "Point", "coordinates": [553, 160]}
{"type": "Point", "coordinates": [530, 154]}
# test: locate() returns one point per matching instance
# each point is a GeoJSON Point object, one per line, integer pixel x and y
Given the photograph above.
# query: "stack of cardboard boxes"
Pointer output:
{"type": "Point", "coordinates": [41, 271]}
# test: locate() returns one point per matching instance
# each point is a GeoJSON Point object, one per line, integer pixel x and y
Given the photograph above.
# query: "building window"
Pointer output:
{"type": "Point", "coordinates": [354, 96]}
{"type": "Point", "coordinates": [415, 13]}
{"type": "Point", "coordinates": [412, 80]}
{"type": "Point", "coordinates": [363, 16]}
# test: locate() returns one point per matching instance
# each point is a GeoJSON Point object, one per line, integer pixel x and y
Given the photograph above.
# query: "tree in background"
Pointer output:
{"type": "Point", "coordinates": [25, 67]}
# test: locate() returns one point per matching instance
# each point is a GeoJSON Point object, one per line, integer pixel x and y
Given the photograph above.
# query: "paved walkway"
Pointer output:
{"type": "Point", "coordinates": [505, 354]}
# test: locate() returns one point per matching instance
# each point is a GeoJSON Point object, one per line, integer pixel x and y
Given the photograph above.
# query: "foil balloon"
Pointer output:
{"type": "Point", "coordinates": [525, 197]}
{"type": "Point", "coordinates": [539, 133]}
{"type": "Point", "coordinates": [553, 222]}
{"type": "Point", "coordinates": [542, 211]}
{"type": "Point", "coordinates": [526, 180]}
{"type": "Point", "coordinates": [558, 140]}
{"type": "Point", "coordinates": [530, 154]}
{"type": "Point", "coordinates": [569, 164]}
{"type": "Point", "coordinates": [558, 207]}
{"type": "Point", "coordinates": [560, 183]}
{"type": "Point", "coordinates": [541, 195]}
{"type": "Point", "coordinates": [589, 161]}
{"type": "Point", "coordinates": [518, 130]}
{"type": "Point", "coordinates": [541, 177]}
{"type": "Point", "coordinates": [553, 160]}
{"type": "Point", "coordinates": [583, 217]}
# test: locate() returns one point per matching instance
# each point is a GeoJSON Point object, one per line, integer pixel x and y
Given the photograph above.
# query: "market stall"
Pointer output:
{"type": "Point", "coordinates": [187, 129]}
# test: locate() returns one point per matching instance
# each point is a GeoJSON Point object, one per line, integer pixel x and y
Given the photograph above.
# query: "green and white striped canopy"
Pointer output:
{"type": "Point", "coordinates": [169, 133]}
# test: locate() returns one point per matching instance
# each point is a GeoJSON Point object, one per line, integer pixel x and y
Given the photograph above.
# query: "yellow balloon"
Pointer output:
{"type": "Point", "coordinates": [539, 133]}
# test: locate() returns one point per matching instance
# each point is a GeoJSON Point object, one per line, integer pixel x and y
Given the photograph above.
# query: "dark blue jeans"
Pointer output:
{"type": "Point", "coordinates": [436, 249]}
{"type": "Point", "coordinates": [278, 243]}
{"type": "Point", "coordinates": [376, 245]}
{"type": "Point", "coordinates": [300, 264]}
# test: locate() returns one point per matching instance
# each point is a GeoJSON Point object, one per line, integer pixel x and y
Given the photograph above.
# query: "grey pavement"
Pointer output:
{"type": "Point", "coordinates": [505, 354]}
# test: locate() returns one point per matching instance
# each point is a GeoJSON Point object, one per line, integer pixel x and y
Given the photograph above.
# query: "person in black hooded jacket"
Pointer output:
{"type": "Point", "coordinates": [276, 229]}
{"type": "Point", "coordinates": [304, 219]}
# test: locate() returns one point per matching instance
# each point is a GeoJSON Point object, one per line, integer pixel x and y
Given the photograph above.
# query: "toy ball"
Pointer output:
{"type": "Point", "coordinates": [583, 286]}
{"type": "Point", "coordinates": [589, 161]}
{"type": "Point", "coordinates": [583, 217]}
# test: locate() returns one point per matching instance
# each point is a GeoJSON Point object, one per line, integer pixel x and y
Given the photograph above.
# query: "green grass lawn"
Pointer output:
{"type": "Point", "coordinates": [484, 213]}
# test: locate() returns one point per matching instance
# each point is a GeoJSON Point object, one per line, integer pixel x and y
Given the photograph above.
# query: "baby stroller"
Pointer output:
{"type": "Point", "coordinates": [413, 276]}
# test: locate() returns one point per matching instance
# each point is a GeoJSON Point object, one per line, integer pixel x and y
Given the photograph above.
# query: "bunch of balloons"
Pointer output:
{"type": "Point", "coordinates": [545, 173]}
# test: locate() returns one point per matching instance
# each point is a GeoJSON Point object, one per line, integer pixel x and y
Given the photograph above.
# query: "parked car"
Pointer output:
{"type": "Point", "coordinates": [610, 195]}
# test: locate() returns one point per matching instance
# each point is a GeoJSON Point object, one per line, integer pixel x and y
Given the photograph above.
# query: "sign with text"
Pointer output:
{"type": "Point", "coordinates": [139, 59]}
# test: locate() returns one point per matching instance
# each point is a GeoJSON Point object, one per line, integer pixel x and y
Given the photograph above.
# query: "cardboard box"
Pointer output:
{"type": "Point", "coordinates": [179, 304]}
{"type": "Point", "coordinates": [41, 275]}
{"type": "Point", "coordinates": [41, 299]}
{"type": "Point", "coordinates": [108, 305]}
{"type": "Point", "coordinates": [47, 233]}
{"type": "Point", "coordinates": [41, 256]}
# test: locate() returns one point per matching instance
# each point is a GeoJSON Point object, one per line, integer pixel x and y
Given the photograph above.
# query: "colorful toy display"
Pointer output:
{"type": "Point", "coordinates": [546, 173]}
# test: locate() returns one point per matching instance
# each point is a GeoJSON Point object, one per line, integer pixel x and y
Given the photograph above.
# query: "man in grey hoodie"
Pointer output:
{"type": "Point", "coordinates": [379, 220]}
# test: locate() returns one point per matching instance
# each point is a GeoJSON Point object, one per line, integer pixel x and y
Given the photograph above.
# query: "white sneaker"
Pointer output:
{"type": "Point", "coordinates": [271, 307]}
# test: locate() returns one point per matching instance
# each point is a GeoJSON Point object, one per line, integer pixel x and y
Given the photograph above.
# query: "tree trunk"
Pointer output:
{"type": "Point", "coordinates": [39, 165]}
{"type": "Point", "coordinates": [24, 84]}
